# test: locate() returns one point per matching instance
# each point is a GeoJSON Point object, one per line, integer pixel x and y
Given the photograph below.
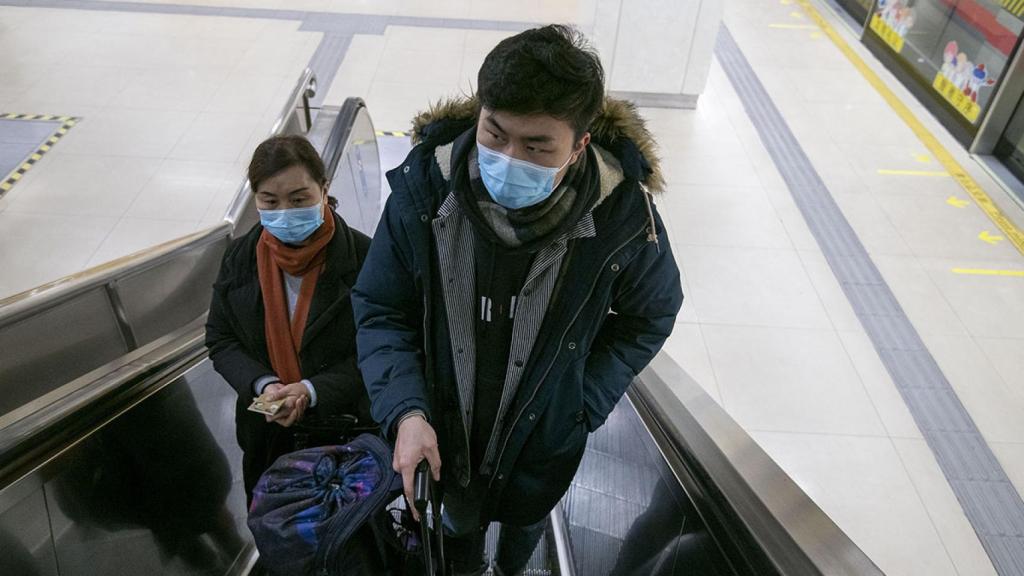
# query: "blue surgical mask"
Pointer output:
{"type": "Point", "coordinates": [515, 183]}
{"type": "Point", "coordinates": [293, 225]}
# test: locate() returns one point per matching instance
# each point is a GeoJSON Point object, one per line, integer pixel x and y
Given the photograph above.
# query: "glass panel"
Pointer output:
{"type": "Point", "coordinates": [957, 48]}
{"type": "Point", "coordinates": [857, 9]}
{"type": "Point", "coordinates": [1011, 145]}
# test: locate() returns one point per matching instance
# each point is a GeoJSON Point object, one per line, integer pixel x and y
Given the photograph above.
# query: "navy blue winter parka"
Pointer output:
{"type": "Point", "coordinates": [614, 304]}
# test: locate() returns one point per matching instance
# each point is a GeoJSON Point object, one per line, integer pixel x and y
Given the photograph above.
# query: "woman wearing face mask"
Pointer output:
{"type": "Point", "coordinates": [280, 322]}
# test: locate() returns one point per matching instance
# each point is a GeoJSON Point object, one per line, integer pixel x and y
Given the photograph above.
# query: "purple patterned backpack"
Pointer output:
{"type": "Point", "coordinates": [324, 512]}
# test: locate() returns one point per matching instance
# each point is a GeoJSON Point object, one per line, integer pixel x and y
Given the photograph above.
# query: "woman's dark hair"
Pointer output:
{"type": "Point", "coordinates": [278, 153]}
{"type": "Point", "coordinates": [550, 70]}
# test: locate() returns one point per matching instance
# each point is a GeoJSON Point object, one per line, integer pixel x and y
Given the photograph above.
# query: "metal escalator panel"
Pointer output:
{"type": "Point", "coordinates": [627, 515]}
{"type": "Point", "coordinates": [157, 490]}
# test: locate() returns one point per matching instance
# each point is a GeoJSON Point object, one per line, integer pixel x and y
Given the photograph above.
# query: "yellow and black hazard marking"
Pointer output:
{"type": "Point", "coordinates": [66, 123]}
{"type": "Point", "coordinates": [1015, 7]}
{"type": "Point", "coordinates": [394, 133]}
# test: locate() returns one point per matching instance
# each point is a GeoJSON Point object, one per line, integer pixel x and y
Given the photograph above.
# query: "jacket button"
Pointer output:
{"type": "Point", "coordinates": [424, 218]}
{"type": "Point", "coordinates": [580, 416]}
{"type": "Point", "coordinates": [615, 267]}
{"type": "Point", "coordinates": [405, 170]}
{"type": "Point", "coordinates": [501, 476]}
{"type": "Point", "coordinates": [532, 416]}
{"type": "Point", "coordinates": [519, 363]}
{"type": "Point", "coordinates": [572, 345]}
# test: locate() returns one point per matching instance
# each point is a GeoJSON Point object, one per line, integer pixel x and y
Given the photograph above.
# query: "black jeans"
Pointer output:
{"type": "Point", "coordinates": [465, 538]}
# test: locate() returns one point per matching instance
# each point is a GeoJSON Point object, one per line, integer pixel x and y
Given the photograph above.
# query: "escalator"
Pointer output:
{"type": "Point", "coordinates": [118, 451]}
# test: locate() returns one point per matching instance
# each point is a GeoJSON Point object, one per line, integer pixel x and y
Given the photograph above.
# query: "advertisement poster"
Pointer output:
{"type": "Point", "coordinates": [891, 21]}
{"type": "Point", "coordinates": [959, 81]}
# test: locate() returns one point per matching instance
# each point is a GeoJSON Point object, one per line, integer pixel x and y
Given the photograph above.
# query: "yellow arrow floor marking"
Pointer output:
{"type": "Point", "coordinates": [985, 272]}
{"type": "Point", "coordinates": [923, 158]}
{"type": "Point", "coordinates": [987, 236]}
{"type": "Point", "coordinates": [932, 173]}
{"type": "Point", "coordinates": [957, 202]}
{"type": "Point", "coordinates": [937, 150]}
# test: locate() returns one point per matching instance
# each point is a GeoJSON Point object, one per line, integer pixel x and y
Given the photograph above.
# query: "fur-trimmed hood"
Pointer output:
{"type": "Point", "coordinates": [618, 128]}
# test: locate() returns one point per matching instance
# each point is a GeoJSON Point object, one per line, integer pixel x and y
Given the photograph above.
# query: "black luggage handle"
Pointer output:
{"type": "Point", "coordinates": [425, 490]}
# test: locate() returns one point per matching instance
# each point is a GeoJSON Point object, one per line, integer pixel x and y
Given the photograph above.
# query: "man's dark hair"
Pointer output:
{"type": "Point", "coordinates": [550, 70]}
{"type": "Point", "coordinates": [279, 153]}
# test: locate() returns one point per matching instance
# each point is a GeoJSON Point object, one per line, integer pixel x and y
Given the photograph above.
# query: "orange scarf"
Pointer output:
{"type": "Point", "coordinates": [284, 338]}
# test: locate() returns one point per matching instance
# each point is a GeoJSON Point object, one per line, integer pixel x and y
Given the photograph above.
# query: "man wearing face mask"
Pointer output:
{"type": "Point", "coordinates": [518, 281]}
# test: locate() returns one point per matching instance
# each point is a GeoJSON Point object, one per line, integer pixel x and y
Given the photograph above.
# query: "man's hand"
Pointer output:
{"type": "Point", "coordinates": [296, 400]}
{"type": "Point", "coordinates": [416, 441]}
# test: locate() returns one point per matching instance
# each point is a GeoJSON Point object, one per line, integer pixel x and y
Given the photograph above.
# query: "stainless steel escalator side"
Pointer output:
{"type": "Point", "coordinates": [752, 508]}
{"type": "Point", "coordinates": [97, 315]}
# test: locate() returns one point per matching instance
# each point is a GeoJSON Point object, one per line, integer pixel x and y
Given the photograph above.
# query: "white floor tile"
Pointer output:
{"type": "Point", "coordinates": [217, 137]}
{"type": "Point", "coordinates": [790, 381]}
{"type": "Point", "coordinates": [85, 185]}
{"type": "Point", "coordinates": [393, 106]}
{"type": "Point", "coordinates": [39, 248]}
{"type": "Point", "coordinates": [723, 216]}
{"type": "Point", "coordinates": [879, 232]}
{"type": "Point", "coordinates": [1007, 355]}
{"type": "Point", "coordinates": [997, 408]}
{"type": "Point", "coordinates": [956, 532]}
{"type": "Point", "coordinates": [419, 67]}
{"type": "Point", "coordinates": [920, 298]}
{"type": "Point", "coordinates": [67, 90]}
{"type": "Point", "coordinates": [134, 234]}
{"type": "Point", "coordinates": [1011, 456]}
{"type": "Point", "coordinates": [420, 39]}
{"type": "Point", "coordinates": [792, 219]}
{"type": "Point", "coordinates": [934, 229]}
{"type": "Point", "coordinates": [356, 73]}
{"type": "Point", "coordinates": [686, 346]}
{"type": "Point", "coordinates": [862, 485]}
{"type": "Point", "coordinates": [888, 402]}
{"type": "Point", "coordinates": [747, 287]}
{"type": "Point", "coordinates": [829, 292]}
{"type": "Point", "coordinates": [127, 132]}
{"type": "Point", "coordinates": [990, 306]}
{"type": "Point", "coordinates": [184, 190]}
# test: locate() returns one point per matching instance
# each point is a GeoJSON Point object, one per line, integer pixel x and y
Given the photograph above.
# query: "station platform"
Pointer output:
{"type": "Point", "coordinates": [805, 151]}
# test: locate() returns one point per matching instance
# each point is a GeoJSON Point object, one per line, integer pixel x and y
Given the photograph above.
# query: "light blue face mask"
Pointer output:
{"type": "Point", "coordinates": [515, 183]}
{"type": "Point", "coordinates": [293, 225]}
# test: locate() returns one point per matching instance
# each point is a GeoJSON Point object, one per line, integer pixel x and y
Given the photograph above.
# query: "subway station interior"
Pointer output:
{"type": "Point", "coordinates": [842, 392]}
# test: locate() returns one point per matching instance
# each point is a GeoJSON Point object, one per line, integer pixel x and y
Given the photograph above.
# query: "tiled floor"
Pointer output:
{"type": "Point", "coordinates": [765, 327]}
{"type": "Point", "coordinates": [171, 107]}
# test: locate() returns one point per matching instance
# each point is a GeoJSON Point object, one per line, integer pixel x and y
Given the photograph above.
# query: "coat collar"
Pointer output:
{"type": "Point", "coordinates": [618, 129]}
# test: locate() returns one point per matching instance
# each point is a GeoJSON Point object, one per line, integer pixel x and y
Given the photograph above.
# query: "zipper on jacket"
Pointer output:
{"type": "Point", "coordinates": [497, 460]}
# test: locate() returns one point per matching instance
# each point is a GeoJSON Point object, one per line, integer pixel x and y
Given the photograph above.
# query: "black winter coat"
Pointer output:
{"type": "Point", "coordinates": [238, 346]}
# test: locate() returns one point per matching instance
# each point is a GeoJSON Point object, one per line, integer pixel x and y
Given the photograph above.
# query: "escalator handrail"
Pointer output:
{"type": "Point", "coordinates": [702, 444]}
{"type": "Point", "coordinates": [19, 306]}
{"type": "Point", "coordinates": [340, 133]}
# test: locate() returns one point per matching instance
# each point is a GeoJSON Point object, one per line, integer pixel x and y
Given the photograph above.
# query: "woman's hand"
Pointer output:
{"type": "Point", "coordinates": [296, 400]}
